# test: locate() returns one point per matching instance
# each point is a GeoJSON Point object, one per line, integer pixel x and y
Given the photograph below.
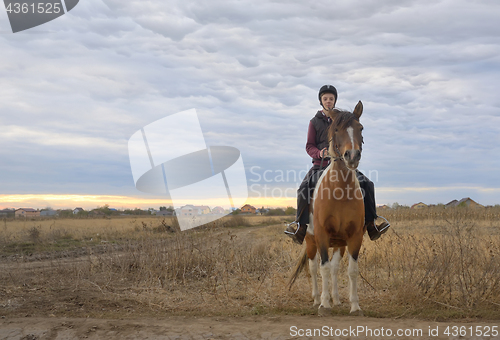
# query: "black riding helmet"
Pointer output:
{"type": "Point", "coordinates": [327, 89]}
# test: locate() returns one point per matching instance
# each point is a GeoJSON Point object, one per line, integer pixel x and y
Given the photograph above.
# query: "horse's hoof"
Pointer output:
{"type": "Point", "coordinates": [323, 311]}
{"type": "Point", "coordinates": [315, 305]}
{"type": "Point", "coordinates": [358, 312]}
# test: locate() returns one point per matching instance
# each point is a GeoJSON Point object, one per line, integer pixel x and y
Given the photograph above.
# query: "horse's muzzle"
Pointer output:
{"type": "Point", "coordinates": [352, 155]}
{"type": "Point", "coordinates": [352, 158]}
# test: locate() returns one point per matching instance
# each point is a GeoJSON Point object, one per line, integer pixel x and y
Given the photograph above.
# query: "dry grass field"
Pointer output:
{"type": "Point", "coordinates": [431, 265]}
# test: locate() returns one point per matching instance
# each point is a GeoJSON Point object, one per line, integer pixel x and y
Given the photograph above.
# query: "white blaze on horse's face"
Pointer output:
{"type": "Point", "coordinates": [350, 132]}
{"type": "Point", "coordinates": [345, 136]}
{"type": "Point", "coordinates": [351, 146]}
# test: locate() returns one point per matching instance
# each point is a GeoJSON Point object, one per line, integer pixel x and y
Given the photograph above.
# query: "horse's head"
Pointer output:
{"type": "Point", "coordinates": [345, 136]}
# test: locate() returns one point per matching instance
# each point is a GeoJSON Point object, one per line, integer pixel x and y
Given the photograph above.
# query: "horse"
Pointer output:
{"type": "Point", "coordinates": [337, 213]}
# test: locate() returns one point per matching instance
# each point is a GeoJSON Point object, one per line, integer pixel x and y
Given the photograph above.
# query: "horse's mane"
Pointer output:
{"type": "Point", "coordinates": [343, 119]}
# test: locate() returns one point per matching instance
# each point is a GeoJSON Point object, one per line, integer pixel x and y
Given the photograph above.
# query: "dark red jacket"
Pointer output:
{"type": "Point", "coordinates": [317, 137]}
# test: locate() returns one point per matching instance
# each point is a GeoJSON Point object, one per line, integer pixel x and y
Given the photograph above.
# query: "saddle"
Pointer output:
{"type": "Point", "coordinates": [313, 180]}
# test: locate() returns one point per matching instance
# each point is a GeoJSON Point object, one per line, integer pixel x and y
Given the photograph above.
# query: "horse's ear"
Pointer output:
{"type": "Point", "coordinates": [358, 110]}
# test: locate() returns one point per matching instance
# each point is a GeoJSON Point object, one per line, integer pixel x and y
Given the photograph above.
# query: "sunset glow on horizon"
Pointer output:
{"type": "Point", "coordinates": [88, 202]}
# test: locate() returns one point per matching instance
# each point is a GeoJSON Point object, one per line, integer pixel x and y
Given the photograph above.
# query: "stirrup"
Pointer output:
{"type": "Point", "coordinates": [296, 229]}
{"type": "Point", "coordinates": [383, 230]}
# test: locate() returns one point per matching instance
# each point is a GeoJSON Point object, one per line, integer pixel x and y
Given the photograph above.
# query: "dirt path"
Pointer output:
{"type": "Point", "coordinates": [258, 327]}
{"type": "Point", "coordinates": [248, 327]}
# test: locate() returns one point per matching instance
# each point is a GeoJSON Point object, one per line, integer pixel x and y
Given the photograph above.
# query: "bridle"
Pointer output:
{"type": "Point", "coordinates": [336, 149]}
{"type": "Point", "coordinates": [338, 155]}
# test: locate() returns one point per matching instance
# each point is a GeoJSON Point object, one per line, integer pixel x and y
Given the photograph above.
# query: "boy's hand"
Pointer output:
{"type": "Point", "coordinates": [324, 152]}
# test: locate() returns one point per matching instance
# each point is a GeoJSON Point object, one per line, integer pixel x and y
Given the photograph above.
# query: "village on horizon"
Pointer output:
{"type": "Point", "coordinates": [190, 209]}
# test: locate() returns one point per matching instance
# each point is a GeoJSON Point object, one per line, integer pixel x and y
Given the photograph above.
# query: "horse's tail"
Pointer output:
{"type": "Point", "coordinates": [303, 263]}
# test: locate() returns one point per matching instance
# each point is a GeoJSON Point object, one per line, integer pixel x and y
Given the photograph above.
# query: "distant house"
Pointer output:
{"type": "Point", "coordinates": [164, 213]}
{"type": "Point", "coordinates": [27, 212]}
{"type": "Point", "coordinates": [202, 209]}
{"type": "Point", "coordinates": [248, 209]}
{"type": "Point", "coordinates": [464, 202]}
{"type": "Point", "coordinates": [385, 206]}
{"type": "Point", "coordinates": [96, 212]}
{"type": "Point", "coordinates": [48, 213]}
{"type": "Point", "coordinates": [77, 210]}
{"type": "Point", "coordinates": [419, 205]}
{"type": "Point", "coordinates": [451, 204]}
{"type": "Point", "coordinates": [218, 211]}
{"type": "Point", "coordinates": [7, 212]}
{"type": "Point", "coordinates": [193, 210]}
{"type": "Point", "coordinates": [187, 210]}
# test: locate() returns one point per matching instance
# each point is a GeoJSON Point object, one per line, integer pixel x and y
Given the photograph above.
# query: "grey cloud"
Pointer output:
{"type": "Point", "coordinates": [254, 71]}
{"type": "Point", "coordinates": [248, 61]}
{"type": "Point", "coordinates": [158, 17]}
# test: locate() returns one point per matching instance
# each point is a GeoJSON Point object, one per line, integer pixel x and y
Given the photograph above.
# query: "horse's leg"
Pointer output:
{"type": "Point", "coordinates": [337, 256]}
{"type": "Point", "coordinates": [322, 241]}
{"type": "Point", "coordinates": [313, 269]}
{"type": "Point", "coordinates": [312, 252]}
{"type": "Point", "coordinates": [353, 284]}
{"type": "Point", "coordinates": [353, 271]}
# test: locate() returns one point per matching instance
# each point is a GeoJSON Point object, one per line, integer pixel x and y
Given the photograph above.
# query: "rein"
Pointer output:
{"type": "Point", "coordinates": [337, 151]}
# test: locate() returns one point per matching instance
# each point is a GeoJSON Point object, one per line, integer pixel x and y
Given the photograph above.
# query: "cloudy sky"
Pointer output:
{"type": "Point", "coordinates": [74, 90]}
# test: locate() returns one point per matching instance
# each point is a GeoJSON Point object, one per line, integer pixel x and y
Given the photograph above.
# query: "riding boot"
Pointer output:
{"type": "Point", "coordinates": [375, 231]}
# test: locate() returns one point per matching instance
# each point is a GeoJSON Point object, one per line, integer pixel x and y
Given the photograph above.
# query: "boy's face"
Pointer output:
{"type": "Point", "coordinates": [328, 101]}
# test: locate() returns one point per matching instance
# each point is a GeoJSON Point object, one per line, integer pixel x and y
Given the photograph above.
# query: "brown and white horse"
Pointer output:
{"type": "Point", "coordinates": [337, 213]}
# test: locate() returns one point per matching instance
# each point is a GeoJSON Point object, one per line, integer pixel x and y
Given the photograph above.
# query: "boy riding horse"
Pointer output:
{"type": "Point", "coordinates": [317, 148]}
